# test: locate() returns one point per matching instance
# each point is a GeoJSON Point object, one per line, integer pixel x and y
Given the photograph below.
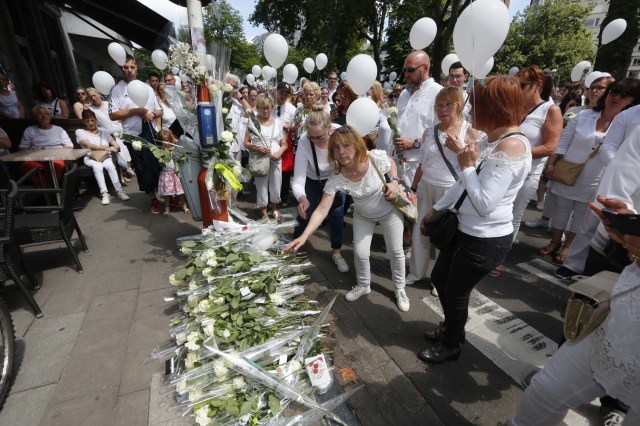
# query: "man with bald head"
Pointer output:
{"type": "Point", "coordinates": [415, 111]}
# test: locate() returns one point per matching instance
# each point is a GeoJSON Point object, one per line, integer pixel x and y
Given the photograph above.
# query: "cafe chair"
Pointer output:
{"type": "Point", "coordinates": [40, 224]}
{"type": "Point", "coordinates": [9, 250]}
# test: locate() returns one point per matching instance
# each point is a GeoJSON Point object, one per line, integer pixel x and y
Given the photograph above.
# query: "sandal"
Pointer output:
{"type": "Point", "coordinates": [495, 272]}
{"type": "Point", "coordinates": [561, 255]}
{"type": "Point", "coordinates": [185, 209]}
{"type": "Point", "coordinates": [166, 212]}
{"type": "Point", "coordinates": [277, 216]}
{"type": "Point", "coordinates": [550, 249]}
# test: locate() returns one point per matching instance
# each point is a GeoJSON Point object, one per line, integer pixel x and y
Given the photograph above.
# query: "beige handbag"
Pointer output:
{"type": "Point", "coordinates": [99, 155]}
{"type": "Point", "coordinates": [567, 172]}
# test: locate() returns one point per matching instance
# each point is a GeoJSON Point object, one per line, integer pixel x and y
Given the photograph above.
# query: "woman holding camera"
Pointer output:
{"type": "Point", "coordinates": [485, 216]}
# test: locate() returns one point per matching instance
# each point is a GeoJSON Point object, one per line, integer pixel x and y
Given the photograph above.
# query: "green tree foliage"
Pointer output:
{"type": "Point", "coordinates": [444, 12]}
{"type": "Point", "coordinates": [334, 27]}
{"type": "Point", "coordinates": [225, 26]}
{"type": "Point", "coordinates": [615, 57]}
{"type": "Point", "coordinates": [551, 35]}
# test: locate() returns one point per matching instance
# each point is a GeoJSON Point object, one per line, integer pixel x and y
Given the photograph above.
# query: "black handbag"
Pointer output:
{"type": "Point", "coordinates": [337, 199]}
{"type": "Point", "coordinates": [441, 228]}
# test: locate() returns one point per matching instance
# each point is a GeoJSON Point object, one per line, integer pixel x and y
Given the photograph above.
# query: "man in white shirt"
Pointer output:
{"type": "Point", "coordinates": [138, 121]}
{"type": "Point", "coordinates": [415, 111]}
{"type": "Point", "coordinates": [332, 84]}
{"type": "Point", "coordinates": [457, 77]}
{"type": "Point", "coordinates": [284, 109]}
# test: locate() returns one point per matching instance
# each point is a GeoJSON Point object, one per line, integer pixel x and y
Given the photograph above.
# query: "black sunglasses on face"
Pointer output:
{"type": "Point", "coordinates": [619, 92]}
{"type": "Point", "coordinates": [410, 70]}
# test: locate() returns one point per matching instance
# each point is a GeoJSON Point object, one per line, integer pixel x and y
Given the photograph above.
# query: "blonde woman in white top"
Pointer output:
{"type": "Point", "coordinates": [433, 176]}
{"type": "Point", "coordinates": [268, 187]}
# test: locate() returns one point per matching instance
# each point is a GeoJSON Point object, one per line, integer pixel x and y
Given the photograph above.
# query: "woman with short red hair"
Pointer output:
{"type": "Point", "coordinates": [485, 191]}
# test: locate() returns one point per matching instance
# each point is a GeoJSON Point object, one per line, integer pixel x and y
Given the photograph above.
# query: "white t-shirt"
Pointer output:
{"type": "Point", "coordinates": [369, 201]}
{"type": "Point", "coordinates": [102, 138]}
{"type": "Point", "coordinates": [272, 135]}
{"type": "Point", "coordinates": [287, 111]}
{"type": "Point", "coordinates": [620, 129]}
{"type": "Point", "coordinates": [168, 117]}
{"type": "Point", "coordinates": [434, 169]}
{"type": "Point", "coordinates": [304, 167]}
{"type": "Point", "coordinates": [119, 100]}
{"type": "Point", "coordinates": [104, 122]}
{"type": "Point", "coordinates": [35, 137]}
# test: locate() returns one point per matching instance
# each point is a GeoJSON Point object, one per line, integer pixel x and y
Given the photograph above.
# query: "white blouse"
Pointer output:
{"type": "Point", "coordinates": [487, 210]}
{"type": "Point", "coordinates": [615, 352]}
{"type": "Point", "coordinates": [272, 135]}
{"type": "Point", "coordinates": [577, 142]}
{"type": "Point", "coordinates": [369, 201]}
{"type": "Point", "coordinates": [304, 168]}
{"type": "Point", "coordinates": [434, 169]}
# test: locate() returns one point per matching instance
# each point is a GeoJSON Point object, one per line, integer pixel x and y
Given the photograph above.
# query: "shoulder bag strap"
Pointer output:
{"type": "Point", "coordinates": [531, 112]}
{"type": "Point", "coordinates": [377, 170]}
{"type": "Point", "coordinates": [446, 160]}
{"type": "Point", "coordinates": [315, 158]}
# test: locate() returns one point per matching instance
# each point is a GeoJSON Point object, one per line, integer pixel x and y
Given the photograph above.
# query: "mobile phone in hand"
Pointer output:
{"type": "Point", "coordinates": [623, 223]}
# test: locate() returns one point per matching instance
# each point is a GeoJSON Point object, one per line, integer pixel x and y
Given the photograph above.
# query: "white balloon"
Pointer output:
{"type": "Point", "coordinates": [447, 61]}
{"type": "Point", "coordinates": [178, 83]}
{"type": "Point", "coordinates": [362, 71]}
{"type": "Point", "coordinates": [159, 59]}
{"type": "Point", "coordinates": [393, 75]}
{"type": "Point", "coordinates": [263, 240]}
{"type": "Point", "coordinates": [268, 73]}
{"type": "Point", "coordinates": [363, 115]}
{"type": "Point", "coordinates": [481, 72]}
{"type": "Point", "coordinates": [103, 81]}
{"type": "Point", "coordinates": [117, 53]}
{"type": "Point", "coordinates": [256, 70]}
{"type": "Point", "coordinates": [138, 92]}
{"type": "Point", "coordinates": [343, 75]}
{"type": "Point", "coordinates": [591, 77]}
{"type": "Point", "coordinates": [387, 85]}
{"type": "Point", "coordinates": [479, 32]}
{"type": "Point", "coordinates": [308, 65]}
{"type": "Point", "coordinates": [321, 61]}
{"type": "Point", "coordinates": [275, 49]}
{"type": "Point", "coordinates": [579, 70]}
{"type": "Point", "coordinates": [422, 33]}
{"type": "Point", "coordinates": [513, 70]}
{"type": "Point", "coordinates": [613, 30]}
{"type": "Point", "coordinates": [290, 73]}
{"type": "Point", "coordinates": [251, 79]}
{"type": "Point", "coordinates": [175, 70]}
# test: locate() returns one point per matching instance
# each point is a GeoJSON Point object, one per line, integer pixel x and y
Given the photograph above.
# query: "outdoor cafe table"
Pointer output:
{"type": "Point", "coordinates": [48, 155]}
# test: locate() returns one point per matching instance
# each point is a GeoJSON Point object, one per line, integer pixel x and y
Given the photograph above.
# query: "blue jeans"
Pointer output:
{"type": "Point", "coordinates": [456, 273]}
{"type": "Point", "coordinates": [336, 216]}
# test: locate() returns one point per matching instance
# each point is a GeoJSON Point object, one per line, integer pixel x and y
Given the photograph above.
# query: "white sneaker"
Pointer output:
{"type": "Point", "coordinates": [356, 292]}
{"type": "Point", "coordinates": [434, 292]}
{"type": "Point", "coordinates": [614, 418]}
{"type": "Point", "coordinates": [123, 196]}
{"type": "Point", "coordinates": [402, 300]}
{"type": "Point", "coordinates": [407, 254]}
{"type": "Point", "coordinates": [340, 262]}
{"type": "Point", "coordinates": [130, 173]}
{"type": "Point", "coordinates": [105, 199]}
{"type": "Point", "coordinates": [410, 279]}
{"type": "Point", "coordinates": [538, 223]}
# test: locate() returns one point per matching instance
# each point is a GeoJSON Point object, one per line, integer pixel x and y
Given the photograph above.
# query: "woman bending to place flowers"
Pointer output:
{"type": "Point", "coordinates": [308, 182]}
{"type": "Point", "coordinates": [273, 144]}
{"type": "Point", "coordinates": [355, 174]}
{"type": "Point", "coordinates": [485, 217]}
{"type": "Point", "coordinates": [99, 140]}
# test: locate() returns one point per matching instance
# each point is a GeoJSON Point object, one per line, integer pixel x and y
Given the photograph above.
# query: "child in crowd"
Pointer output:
{"type": "Point", "coordinates": [169, 184]}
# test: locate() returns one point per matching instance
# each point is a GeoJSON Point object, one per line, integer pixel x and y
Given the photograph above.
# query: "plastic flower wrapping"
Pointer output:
{"type": "Point", "coordinates": [245, 331]}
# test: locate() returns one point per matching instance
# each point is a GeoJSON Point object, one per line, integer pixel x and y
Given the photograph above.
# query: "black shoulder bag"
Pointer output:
{"type": "Point", "coordinates": [337, 199]}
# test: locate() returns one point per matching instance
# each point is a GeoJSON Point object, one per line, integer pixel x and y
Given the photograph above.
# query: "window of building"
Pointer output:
{"type": "Point", "coordinates": [635, 62]}
{"type": "Point", "coordinates": [591, 23]}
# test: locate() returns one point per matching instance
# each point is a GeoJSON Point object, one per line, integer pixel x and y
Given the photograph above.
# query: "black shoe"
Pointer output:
{"type": "Point", "coordinates": [439, 353]}
{"type": "Point", "coordinates": [564, 273]}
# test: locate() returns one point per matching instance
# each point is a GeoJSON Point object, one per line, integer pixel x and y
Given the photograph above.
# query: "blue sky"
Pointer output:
{"type": "Point", "coordinates": [178, 14]}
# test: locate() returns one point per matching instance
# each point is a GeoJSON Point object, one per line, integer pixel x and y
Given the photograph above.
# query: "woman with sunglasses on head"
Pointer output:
{"type": "Point", "coordinates": [310, 174]}
{"type": "Point", "coordinates": [354, 172]}
{"type": "Point", "coordinates": [580, 143]}
{"type": "Point", "coordinates": [541, 122]}
{"type": "Point", "coordinates": [83, 102]}
{"type": "Point", "coordinates": [485, 193]}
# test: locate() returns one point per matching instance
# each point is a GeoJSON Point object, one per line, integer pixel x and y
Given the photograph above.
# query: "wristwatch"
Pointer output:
{"type": "Point", "coordinates": [416, 144]}
{"type": "Point", "coordinates": [396, 178]}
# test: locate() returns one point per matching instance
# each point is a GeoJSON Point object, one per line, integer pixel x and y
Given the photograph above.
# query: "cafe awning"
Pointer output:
{"type": "Point", "coordinates": [128, 18]}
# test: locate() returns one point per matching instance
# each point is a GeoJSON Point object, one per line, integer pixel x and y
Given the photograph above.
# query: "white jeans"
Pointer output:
{"type": "Point", "coordinates": [525, 194]}
{"type": "Point", "coordinates": [428, 195]}
{"type": "Point", "coordinates": [392, 226]}
{"type": "Point", "coordinates": [579, 250]}
{"type": "Point", "coordinates": [98, 171]}
{"type": "Point", "coordinates": [124, 157]}
{"type": "Point", "coordinates": [268, 187]}
{"type": "Point", "coordinates": [565, 382]}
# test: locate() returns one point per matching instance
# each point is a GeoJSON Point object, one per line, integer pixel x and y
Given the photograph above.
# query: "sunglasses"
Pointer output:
{"type": "Point", "coordinates": [619, 92]}
{"type": "Point", "coordinates": [410, 70]}
{"type": "Point", "coordinates": [344, 129]}
{"type": "Point", "coordinates": [80, 93]}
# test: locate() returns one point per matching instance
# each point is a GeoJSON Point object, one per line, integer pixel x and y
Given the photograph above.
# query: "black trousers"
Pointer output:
{"type": "Point", "coordinates": [456, 273]}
